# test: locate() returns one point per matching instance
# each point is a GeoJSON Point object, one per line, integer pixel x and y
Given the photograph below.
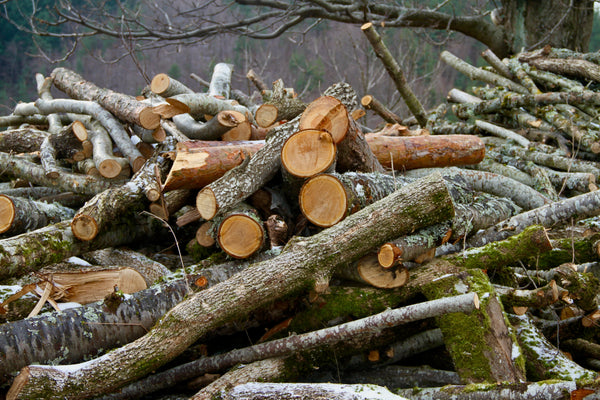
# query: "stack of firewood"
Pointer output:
{"type": "Point", "coordinates": [469, 242]}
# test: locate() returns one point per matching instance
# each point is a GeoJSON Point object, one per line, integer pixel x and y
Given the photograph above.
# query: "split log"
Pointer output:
{"type": "Point", "coordinates": [83, 332]}
{"type": "Point", "coordinates": [322, 338]}
{"type": "Point", "coordinates": [165, 86]}
{"type": "Point", "coordinates": [122, 106]}
{"type": "Point", "coordinates": [34, 173]}
{"type": "Point", "coordinates": [199, 163]}
{"type": "Point", "coordinates": [240, 183]}
{"type": "Point", "coordinates": [114, 128]}
{"type": "Point", "coordinates": [416, 205]}
{"type": "Point", "coordinates": [18, 215]}
{"type": "Point", "coordinates": [395, 72]}
{"type": "Point", "coordinates": [110, 205]}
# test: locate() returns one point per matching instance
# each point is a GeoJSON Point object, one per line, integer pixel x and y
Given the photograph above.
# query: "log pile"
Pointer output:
{"type": "Point", "coordinates": [219, 247]}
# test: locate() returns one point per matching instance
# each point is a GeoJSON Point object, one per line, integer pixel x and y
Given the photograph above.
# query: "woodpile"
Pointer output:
{"type": "Point", "coordinates": [202, 244]}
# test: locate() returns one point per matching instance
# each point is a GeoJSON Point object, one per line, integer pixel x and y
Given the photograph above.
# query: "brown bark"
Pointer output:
{"type": "Point", "coordinates": [122, 106]}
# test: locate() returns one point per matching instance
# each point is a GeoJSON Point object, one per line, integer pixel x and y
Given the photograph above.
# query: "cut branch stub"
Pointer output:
{"type": "Point", "coordinates": [240, 235]}
{"type": "Point", "coordinates": [326, 113]}
{"type": "Point", "coordinates": [308, 152]}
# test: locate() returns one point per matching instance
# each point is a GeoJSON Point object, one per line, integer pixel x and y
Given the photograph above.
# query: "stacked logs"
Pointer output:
{"type": "Point", "coordinates": [301, 201]}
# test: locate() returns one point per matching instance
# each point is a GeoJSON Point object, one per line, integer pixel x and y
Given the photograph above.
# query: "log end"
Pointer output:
{"type": "Point", "coordinates": [160, 83]}
{"type": "Point", "coordinates": [323, 200]}
{"type": "Point", "coordinates": [241, 132]}
{"type": "Point", "coordinates": [366, 26]}
{"type": "Point", "coordinates": [148, 119]}
{"type": "Point", "coordinates": [203, 236]}
{"type": "Point", "coordinates": [372, 273]}
{"type": "Point", "coordinates": [7, 213]}
{"type": "Point", "coordinates": [328, 114]}
{"type": "Point", "coordinates": [240, 236]}
{"type": "Point", "coordinates": [138, 163]}
{"type": "Point", "coordinates": [206, 203]}
{"type": "Point", "coordinates": [84, 227]}
{"type": "Point", "coordinates": [79, 130]}
{"type": "Point", "coordinates": [388, 255]}
{"type": "Point", "coordinates": [109, 168]}
{"type": "Point", "coordinates": [308, 152]}
{"type": "Point", "coordinates": [266, 115]}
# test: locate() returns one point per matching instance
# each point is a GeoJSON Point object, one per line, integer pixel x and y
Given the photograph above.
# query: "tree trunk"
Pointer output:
{"type": "Point", "coordinates": [423, 203]}
{"type": "Point", "coordinates": [533, 24]}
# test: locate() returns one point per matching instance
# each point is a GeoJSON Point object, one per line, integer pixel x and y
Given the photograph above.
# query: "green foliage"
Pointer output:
{"type": "Point", "coordinates": [174, 71]}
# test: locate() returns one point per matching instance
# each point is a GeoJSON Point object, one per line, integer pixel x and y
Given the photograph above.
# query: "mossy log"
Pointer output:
{"type": "Point", "coordinates": [20, 167]}
{"type": "Point", "coordinates": [423, 203]}
{"type": "Point", "coordinates": [239, 183]}
{"type": "Point", "coordinates": [543, 360]}
{"type": "Point", "coordinates": [122, 106]}
{"type": "Point", "coordinates": [18, 215]}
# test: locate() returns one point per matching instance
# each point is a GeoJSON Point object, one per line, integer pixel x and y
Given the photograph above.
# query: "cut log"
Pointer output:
{"type": "Point", "coordinates": [371, 103]}
{"type": "Point", "coordinates": [199, 104]}
{"type": "Point", "coordinates": [199, 163]}
{"type": "Point", "coordinates": [240, 183]}
{"type": "Point", "coordinates": [122, 106]}
{"type": "Point", "coordinates": [308, 152]}
{"type": "Point", "coordinates": [279, 107]}
{"type": "Point", "coordinates": [368, 271]}
{"type": "Point", "coordinates": [214, 129]}
{"type": "Point", "coordinates": [21, 140]}
{"type": "Point", "coordinates": [18, 215]}
{"type": "Point", "coordinates": [326, 113]}
{"type": "Point", "coordinates": [423, 203]}
{"type": "Point", "coordinates": [241, 234]}
{"type": "Point", "coordinates": [165, 86]}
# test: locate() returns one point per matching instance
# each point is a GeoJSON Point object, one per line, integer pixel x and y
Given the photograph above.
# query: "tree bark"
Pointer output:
{"type": "Point", "coordinates": [420, 204]}
{"type": "Point", "coordinates": [122, 106]}
{"type": "Point", "coordinates": [279, 107]}
{"type": "Point", "coordinates": [18, 215]}
{"type": "Point", "coordinates": [165, 86]}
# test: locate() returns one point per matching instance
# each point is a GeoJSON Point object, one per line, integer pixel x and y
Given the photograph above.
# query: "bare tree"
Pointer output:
{"type": "Point", "coordinates": [505, 27]}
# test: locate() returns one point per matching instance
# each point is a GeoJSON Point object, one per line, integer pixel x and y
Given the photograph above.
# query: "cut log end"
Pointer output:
{"type": "Point", "coordinates": [240, 236]}
{"type": "Point", "coordinates": [148, 119]}
{"type": "Point", "coordinates": [308, 152]}
{"type": "Point", "coordinates": [79, 131]}
{"type": "Point", "coordinates": [323, 200]}
{"type": "Point", "coordinates": [384, 278]}
{"type": "Point", "coordinates": [7, 213]}
{"type": "Point", "coordinates": [266, 115]}
{"type": "Point", "coordinates": [203, 237]}
{"type": "Point", "coordinates": [366, 26]}
{"type": "Point", "coordinates": [138, 163]}
{"type": "Point", "coordinates": [160, 83]}
{"type": "Point", "coordinates": [84, 227]}
{"type": "Point", "coordinates": [206, 203]}
{"type": "Point", "coordinates": [243, 131]}
{"type": "Point", "coordinates": [109, 168]}
{"type": "Point", "coordinates": [230, 118]}
{"type": "Point", "coordinates": [388, 255]}
{"type": "Point", "coordinates": [326, 113]}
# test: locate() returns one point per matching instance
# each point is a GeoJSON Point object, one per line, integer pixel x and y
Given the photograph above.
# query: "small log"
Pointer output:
{"type": "Point", "coordinates": [368, 271]}
{"type": "Point", "coordinates": [203, 235]}
{"type": "Point", "coordinates": [122, 106]}
{"type": "Point", "coordinates": [240, 233]}
{"type": "Point", "coordinates": [371, 103]}
{"type": "Point", "coordinates": [21, 140]}
{"type": "Point", "coordinates": [500, 67]}
{"type": "Point", "coordinates": [308, 152]}
{"type": "Point", "coordinates": [199, 163]}
{"type": "Point", "coordinates": [18, 215]}
{"type": "Point", "coordinates": [165, 86]}
{"type": "Point", "coordinates": [280, 107]}
{"type": "Point", "coordinates": [417, 247]}
{"type": "Point", "coordinates": [214, 129]}
{"type": "Point", "coordinates": [539, 298]}
{"type": "Point", "coordinates": [200, 104]}
{"type": "Point", "coordinates": [220, 81]}
{"type": "Point", "coordinates": [257, 81]}
{"type": "Point", "coordinates": [108, 165]}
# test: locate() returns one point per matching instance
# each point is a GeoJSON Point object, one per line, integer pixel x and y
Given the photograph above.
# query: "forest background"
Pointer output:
{"type": "Point", "coordinates": [309, 58]}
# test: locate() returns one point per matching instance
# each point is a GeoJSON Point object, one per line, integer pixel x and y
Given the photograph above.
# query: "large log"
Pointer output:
{"type": "Point", "coordinates": [423, 203]}
{"type": "Point", "coordinates": [122, 106]}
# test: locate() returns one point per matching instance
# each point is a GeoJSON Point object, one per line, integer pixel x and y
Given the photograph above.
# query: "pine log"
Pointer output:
{"type": "Point", "coordinates": [199, 163]}
{"type": "Point", "coordinates": [403, 153]}
{"type": "Point", "coordinates": [34, 173]}
{"type": "Point", "coordinates": [396, 73]}
{"type": "Point", "coordinates": [114, 128]}
{"type": "Point", "coordinates": [422, 203]}
{"type": "Point", "coordinates": [18, 215]}
{"type": "Point", "coordinates": [165, 86]}
{"type": "Point", "coordinates": [240, 183]}
{"type": "Point", "coordinates": [122, 106]}
{"type": "Point", "coordinates": [108, 206]}
{"type": "Point", "coordinates": [308, 152]}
